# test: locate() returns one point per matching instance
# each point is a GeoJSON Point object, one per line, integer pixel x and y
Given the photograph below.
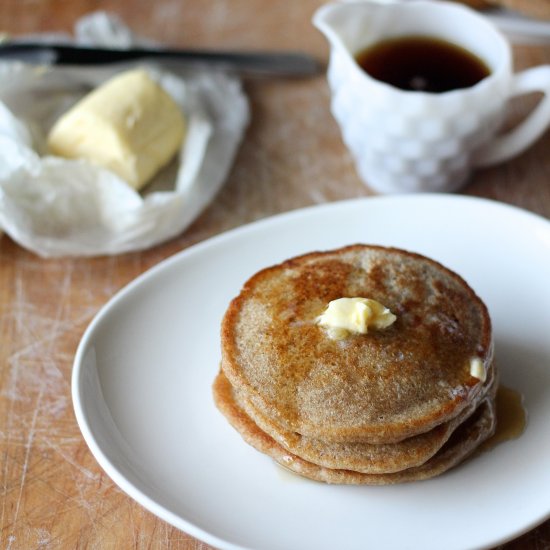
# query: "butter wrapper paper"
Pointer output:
{"type": "Point", "coordinates": [60, 207]}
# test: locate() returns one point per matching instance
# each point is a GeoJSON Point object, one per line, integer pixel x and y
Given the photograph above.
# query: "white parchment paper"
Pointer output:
{"type": "Point", "coordinates": [59, 207]}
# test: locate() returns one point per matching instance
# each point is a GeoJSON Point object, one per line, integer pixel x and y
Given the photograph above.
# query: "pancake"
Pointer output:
{"type": "Point", "coordinates": [360, 456]}
{"type": "Point", "coordinates": [380, 388]}
{"type": "Point", "coordinates": [464, 440]}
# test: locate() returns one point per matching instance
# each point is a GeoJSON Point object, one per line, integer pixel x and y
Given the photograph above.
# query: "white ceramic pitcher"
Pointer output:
{"type": "Point", "coordinates": [405, 141]}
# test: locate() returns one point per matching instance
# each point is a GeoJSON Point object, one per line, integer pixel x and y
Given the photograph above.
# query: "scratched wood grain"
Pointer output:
{"type": "Point", "coordinates": [53, 493]}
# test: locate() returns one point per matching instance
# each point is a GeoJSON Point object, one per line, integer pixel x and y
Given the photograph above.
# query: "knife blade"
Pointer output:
{"type": "Point", "coordinates": [289, 64]}
{"type": "Point", "coordinates": [519, 28]}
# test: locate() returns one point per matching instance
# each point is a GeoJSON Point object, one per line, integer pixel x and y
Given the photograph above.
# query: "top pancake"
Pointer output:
{"type": "Point", "coordinates": [380, 387]}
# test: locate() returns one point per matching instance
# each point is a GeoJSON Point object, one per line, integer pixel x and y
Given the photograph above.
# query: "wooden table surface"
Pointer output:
{"type": "Point", "coordinates": [53, 493]}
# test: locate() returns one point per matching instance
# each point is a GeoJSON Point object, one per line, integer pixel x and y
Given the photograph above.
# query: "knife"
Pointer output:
{"type": "Point", "coordinates": [519, 28]}
{"type": "Point", "coordinates": [290, 64]}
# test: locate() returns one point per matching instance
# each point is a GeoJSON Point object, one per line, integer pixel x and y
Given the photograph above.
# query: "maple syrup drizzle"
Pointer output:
{"type": "Point", "coordinates": [511, 418]}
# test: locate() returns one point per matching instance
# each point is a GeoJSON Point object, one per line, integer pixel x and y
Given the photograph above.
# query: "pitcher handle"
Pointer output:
{"type": "Point", "coordinates": [536, 79]}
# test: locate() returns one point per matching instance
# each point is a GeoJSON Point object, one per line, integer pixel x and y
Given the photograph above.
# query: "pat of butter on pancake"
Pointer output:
{"type": "Point", "coordinates": [354, 315]}
{"type": "Point", "coordinates": [477, 369]}
{"type": "Point", "coordinates": [129, 125]}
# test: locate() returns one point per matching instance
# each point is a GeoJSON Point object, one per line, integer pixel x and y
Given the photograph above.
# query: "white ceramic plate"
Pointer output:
{"type": "Point", "coordinates": [144, 368]}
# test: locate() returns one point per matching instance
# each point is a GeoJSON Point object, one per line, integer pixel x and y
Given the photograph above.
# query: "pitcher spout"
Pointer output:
{"type": "Point", "coordinates": [351, 26]}
{"type": "Point", "coordinates": [332, 20]}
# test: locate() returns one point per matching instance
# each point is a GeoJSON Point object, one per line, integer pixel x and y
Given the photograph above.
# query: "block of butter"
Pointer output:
{"type": "Point", "coordinates": [129, 125]}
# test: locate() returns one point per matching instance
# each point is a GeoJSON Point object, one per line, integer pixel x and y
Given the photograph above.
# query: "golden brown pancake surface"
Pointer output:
{"type": "Point", "coordinates": [361, 456]}
{"type": "Point", "coordinates": [381, 387]}
{"type": "Point", "coordinates": [464, 440]}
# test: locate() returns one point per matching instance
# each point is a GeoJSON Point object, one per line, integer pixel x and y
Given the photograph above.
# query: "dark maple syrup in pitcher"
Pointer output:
{"type": "Point", "coordinates": [422, 64]}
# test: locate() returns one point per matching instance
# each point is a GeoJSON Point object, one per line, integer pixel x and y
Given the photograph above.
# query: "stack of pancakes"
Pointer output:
{"type": "Point", "coordinates": [396, 404]}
